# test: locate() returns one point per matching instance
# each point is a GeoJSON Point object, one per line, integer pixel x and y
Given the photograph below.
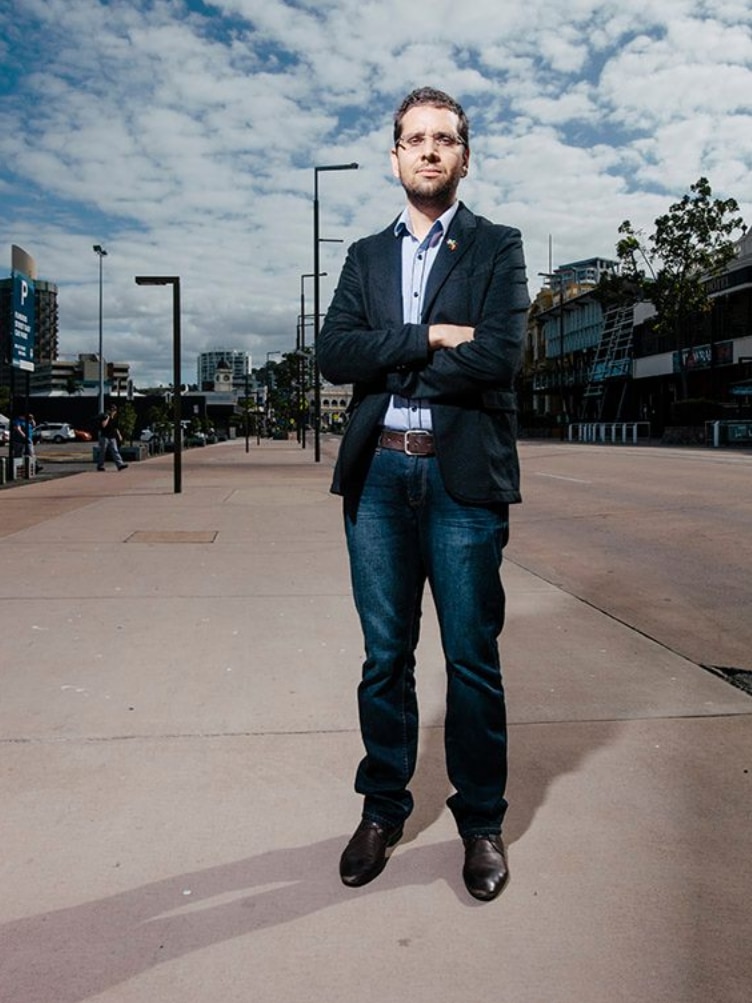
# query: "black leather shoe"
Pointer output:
{"type": "Point", "coordinates": [365, 855]}
{"type": "Point", "coordinates": [485, 872]}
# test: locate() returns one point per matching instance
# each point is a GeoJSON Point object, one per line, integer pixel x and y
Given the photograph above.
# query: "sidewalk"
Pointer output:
{"type": "Point", "coordinates": [178, 735]}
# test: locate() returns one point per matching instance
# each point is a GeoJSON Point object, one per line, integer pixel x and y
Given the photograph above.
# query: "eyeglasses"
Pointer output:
{"type": "Point", "coordinates": [444, 140]}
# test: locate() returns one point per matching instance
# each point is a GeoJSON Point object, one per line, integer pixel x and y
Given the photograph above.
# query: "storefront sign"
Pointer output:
{"type": "Point", "coordinates": [704, 356]}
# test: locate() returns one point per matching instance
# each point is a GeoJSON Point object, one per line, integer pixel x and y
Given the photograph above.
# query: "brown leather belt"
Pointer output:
{"type": "Point", "coordinates": [416, 442]}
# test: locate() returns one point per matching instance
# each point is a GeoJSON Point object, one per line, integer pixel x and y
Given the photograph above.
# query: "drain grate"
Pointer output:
{"type": "Point", "coordinates": [741, 678]}
{"type": "Point", "coordinates": [172, 536]}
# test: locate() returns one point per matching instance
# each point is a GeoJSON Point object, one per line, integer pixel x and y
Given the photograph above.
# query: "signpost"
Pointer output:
{"type": "Point", "coordinates": [22, 333]}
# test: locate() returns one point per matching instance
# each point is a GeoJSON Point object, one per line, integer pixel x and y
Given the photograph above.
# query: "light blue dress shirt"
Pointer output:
{"type": "Point", "coordinates": [418, 257]}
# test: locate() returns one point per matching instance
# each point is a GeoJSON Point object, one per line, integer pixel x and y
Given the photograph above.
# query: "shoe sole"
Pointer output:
{"type": "Point", "coordinates": [487, 896]}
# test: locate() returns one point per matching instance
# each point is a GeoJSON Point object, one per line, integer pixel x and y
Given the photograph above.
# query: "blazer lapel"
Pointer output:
{"type": "Point", "coordinates": [454, 247]}
{"type": "Point", "coordinates": [386, 273]}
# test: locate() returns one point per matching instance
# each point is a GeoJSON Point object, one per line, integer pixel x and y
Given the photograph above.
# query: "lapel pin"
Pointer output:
{"type": "Point", "coordinates": [451, 244]}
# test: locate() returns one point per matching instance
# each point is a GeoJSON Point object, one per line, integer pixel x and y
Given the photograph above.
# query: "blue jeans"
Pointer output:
{"type": "Point", "coordinates": [110, 445]}
{"type": "Point", "coordinates": [405, 529]}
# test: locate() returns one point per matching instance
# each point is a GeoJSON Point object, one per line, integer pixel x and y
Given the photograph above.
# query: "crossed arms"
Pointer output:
{"type": "Point", "coordinates": [472, 340]}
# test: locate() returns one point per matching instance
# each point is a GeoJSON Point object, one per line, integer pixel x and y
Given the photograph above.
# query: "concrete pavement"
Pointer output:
{"type": "Point", "coordinates": [179, 736]}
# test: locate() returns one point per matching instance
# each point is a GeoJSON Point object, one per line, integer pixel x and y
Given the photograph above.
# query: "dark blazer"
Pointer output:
{"type": "Point", "coordinates": [478, 279]}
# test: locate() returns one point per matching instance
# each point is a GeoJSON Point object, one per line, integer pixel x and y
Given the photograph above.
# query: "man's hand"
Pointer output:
{"type": "Point", "coordinates": [449, 335]}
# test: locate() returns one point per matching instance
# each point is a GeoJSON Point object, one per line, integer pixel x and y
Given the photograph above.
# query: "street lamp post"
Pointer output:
{"type": "Point", "coordinates": [101, 253]}
{"type": "Point", "coordinates": [316, 300]}
{"type": "Point", "coordinates": [177, 435]}
{"type": "Point", "coordinates": [247, 405]}
{"type": "Point", "coordinates": [299, 381]}
{"type": "Point", "coordinates": [268, 381]}
{"type": "Point", "coordinates": [302, 409]}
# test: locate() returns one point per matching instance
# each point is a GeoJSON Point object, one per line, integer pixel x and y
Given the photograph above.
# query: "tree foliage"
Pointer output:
{"type": "Point", "coordinates": [159, 420]}
{"type": "Point", "coordinates": [286, 380]}
{"type": "Point", "coordinates": [127, 421]}
{"type": "Point", "coordinates": [691, 243]}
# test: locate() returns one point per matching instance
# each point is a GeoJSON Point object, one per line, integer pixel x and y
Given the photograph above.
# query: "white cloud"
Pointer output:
{"type": "Point", "coordinates": [182, 136]}
{"type": "Point", "coordinates": [653, 82]}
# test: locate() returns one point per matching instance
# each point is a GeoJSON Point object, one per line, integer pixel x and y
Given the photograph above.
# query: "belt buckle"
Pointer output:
{"type": "Point", "coordinates": [420, 432]}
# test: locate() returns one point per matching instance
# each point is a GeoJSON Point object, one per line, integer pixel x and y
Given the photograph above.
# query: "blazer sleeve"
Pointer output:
{"type": "Point", "coordinates": [495, 303]}
{"type": "Point", "coordinates": [362, 339]}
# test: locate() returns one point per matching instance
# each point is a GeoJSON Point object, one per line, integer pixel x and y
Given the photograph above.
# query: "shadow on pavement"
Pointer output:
{"type": "Point", "coordinates": [72, 954]}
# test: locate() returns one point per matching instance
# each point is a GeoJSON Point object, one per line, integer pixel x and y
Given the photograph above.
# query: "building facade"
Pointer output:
{"type": "Point", "coordinates": [80, 376]}
{"type": "Point", "coordinates": [712, 361]}
{"type": "Point", "coordinates": [335, 401]}
{"type": "Point", "coordinates": [207, 363]}
{"type": "Point", "coordinates": [565, 324]}
{"type": "Point", "coordinates": [590, 361]}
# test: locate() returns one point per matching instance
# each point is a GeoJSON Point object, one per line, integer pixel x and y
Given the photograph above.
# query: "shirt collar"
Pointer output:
{"type": "Point", "coordinates": [402, 227]}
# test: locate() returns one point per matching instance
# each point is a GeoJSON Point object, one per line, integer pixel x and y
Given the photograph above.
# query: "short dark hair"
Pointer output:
{"type": "Point", "coordinates": [437, 99]}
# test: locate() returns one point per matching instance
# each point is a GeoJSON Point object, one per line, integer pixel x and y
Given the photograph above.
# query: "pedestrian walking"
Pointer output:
{"type": "Point", "coordinates": [110, 439]}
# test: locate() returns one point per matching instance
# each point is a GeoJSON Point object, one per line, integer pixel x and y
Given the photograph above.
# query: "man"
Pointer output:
{"type": "Point", "coordinates": [23, 440]}
{"type": "Point", "coordinates": [31, 424]}
{"type": "Point", "coordinates": [19, 436]}
{"type": "Point", "coordinates": [110, 439]}
{"type": "Point", "coordinates": [427, 322]}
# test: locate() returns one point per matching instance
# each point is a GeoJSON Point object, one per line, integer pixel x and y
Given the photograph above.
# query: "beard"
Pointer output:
{"type": "Point", "coordinates": [431, 193]}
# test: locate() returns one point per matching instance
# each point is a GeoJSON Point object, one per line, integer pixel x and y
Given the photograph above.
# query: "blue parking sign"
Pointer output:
{"type": "Point", "coordinates": [23, 328]}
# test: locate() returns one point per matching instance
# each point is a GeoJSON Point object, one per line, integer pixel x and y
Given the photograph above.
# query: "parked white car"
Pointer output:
{"type": "Point", "coordinates": [54, 431]}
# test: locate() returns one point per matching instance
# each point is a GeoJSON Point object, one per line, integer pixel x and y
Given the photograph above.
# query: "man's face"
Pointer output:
{"type": "Point", "coordinates": [430, 170]}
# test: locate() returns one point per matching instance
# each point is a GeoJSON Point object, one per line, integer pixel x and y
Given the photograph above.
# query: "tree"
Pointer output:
{"type": "Point", "coordinates": [127, 421]}
{"type": "Point", "coordinates": [158, 419]}
{"type": "Point", "coordinates": [282, 380]}
{"type": "Point", "coordinates": [691, 243]}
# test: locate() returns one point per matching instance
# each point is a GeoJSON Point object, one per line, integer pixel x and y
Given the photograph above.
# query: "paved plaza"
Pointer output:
{"type": "Point", "coordinates": [178, 735]}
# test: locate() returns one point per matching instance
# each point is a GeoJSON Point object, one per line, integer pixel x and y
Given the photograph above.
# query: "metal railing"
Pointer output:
{"type": "Point", "coordinates": [619, 432]}
{"type": "Point", "coordinates": [728, 433]}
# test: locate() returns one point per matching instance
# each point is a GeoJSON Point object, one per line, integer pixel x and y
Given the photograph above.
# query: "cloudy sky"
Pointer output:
{"type": "Point", "coordinates": [182, 136]}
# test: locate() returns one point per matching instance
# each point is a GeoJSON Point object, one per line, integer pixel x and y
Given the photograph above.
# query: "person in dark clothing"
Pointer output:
{"type": "Point", "coordinates": [110, 439]}
{"type": "Point", "coordinates": [428, 323]}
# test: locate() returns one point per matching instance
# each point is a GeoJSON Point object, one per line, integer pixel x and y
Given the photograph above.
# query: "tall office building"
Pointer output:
{"type": "Point", "coordinates": [207, 362]}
